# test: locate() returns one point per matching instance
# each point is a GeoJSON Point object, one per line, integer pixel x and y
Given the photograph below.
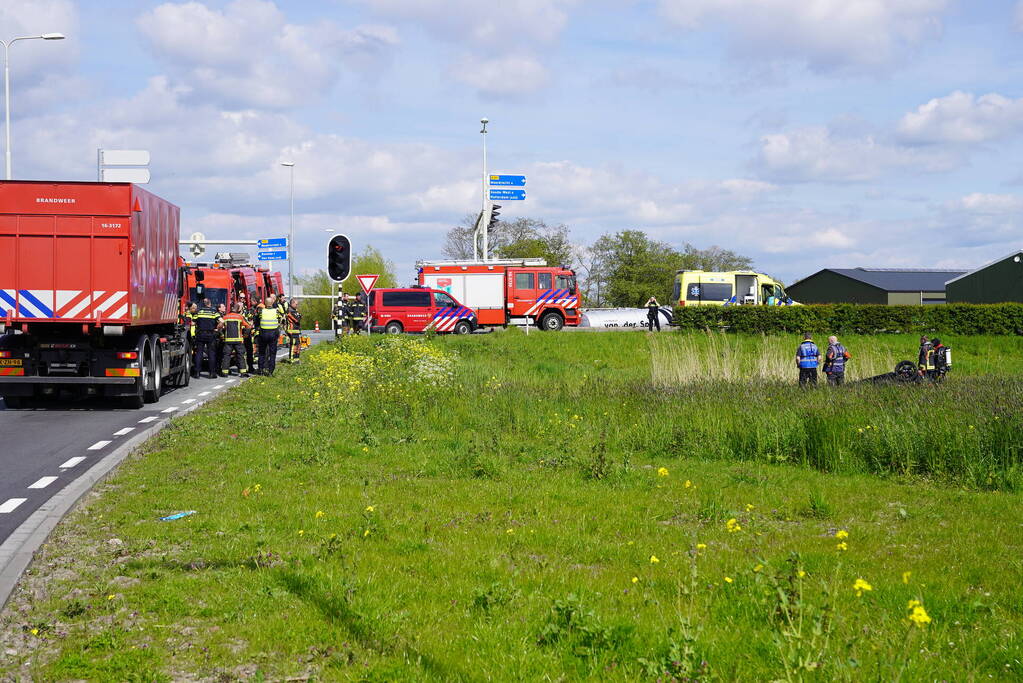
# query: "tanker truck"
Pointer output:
{"type": "Point", "coordinates": [91, 290]}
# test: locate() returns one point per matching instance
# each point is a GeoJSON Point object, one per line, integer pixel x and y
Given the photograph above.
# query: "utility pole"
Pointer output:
{"type": "Point", "coordinates": [291, 230]}
{"type": "Point", "coordinates": [485, 220]}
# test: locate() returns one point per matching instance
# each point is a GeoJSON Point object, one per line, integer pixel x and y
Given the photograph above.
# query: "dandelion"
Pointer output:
{"type": "Point", "coordinates": [662, 471]}
{"type": "Point", "coordinates": [510, 531]}
{"type": "Point", "coordinates": [688, 484]}
{"type": "Point", "coordinates": [653, 559]}
{"type": "Point", "coordinates": [34, 631]}
{"type": "Point", "coordinates": [701, 546]}
{"type": "Point", "coordinates": [801, 573]}
{"type": "Point", "coordinates": [301, 532]}
{"type": "Point", "coordinates": [905, 576]}
{"type": "Point", "coordinates": [841, 533]}
{"type": "Point", "coordinates": [365, 533]}
{"type": "Point", "coordinates": [365, 449]}
{"type": "Point", "coordinates": [635, 579]}
{"type": "Point", "coordinates": [842, 546]}
{"type": "Point", "coordinates": [728, 579]}
{"type": "Point", "coordinates": [111, 597]}
{"type": "Point", "coordinates": [257, 488]}
{"type": "Point", "coordinates": [758, 568]}
{"type": "Point", "coordinates": [749, 507]}
{"type": "Point", "coordinates": [320, 513]}
{"type": "Point", "coordinates": [860, 430]}
{"type": "Point", "coordinates": [861, 587]}
{"type": "Point", "coordinates": [917, 614]}
{"type": "Point", "coordinates": [370, 508]}
{"type": "Point", "coordinates": [733, 526]}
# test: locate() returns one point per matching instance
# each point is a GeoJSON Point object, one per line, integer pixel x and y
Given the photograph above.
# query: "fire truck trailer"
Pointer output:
{"type": "Point", "coordinates": [91, 288]}
{"type": "Point", "coordinates": [508, 291]}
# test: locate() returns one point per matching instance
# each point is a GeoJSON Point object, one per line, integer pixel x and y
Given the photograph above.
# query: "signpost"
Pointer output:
{"type": "Point", "coordinates": [367, 282]}
{"type": "Point", "coordinates": [272, 243]}
{"type": "Point", "coordinates": [281, 255]}
{"type": "Point", "coordinates": [507, 195]}
{"type": "Point", "coordinates": [507, 181]}
{"type": "Point", "coordinates": [122, 160]}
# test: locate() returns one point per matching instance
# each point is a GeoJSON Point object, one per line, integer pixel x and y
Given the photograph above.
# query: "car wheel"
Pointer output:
{"type": "Point", "coordinates": [393, 327]}
{"type": "Point", "coordinates": [462, 327]}
{"type": "Point", "coordinates": [551, 322]}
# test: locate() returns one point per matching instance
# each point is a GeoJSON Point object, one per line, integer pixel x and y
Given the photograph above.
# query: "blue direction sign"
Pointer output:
{"type": "Point", "coordinates": [281, 255]}
{"type": "Point", "coordinates": [507, 181]}
{"type": "Point", "coordinates": [272, 242]}
{"type": "Point", "coordinates": [507, 195]}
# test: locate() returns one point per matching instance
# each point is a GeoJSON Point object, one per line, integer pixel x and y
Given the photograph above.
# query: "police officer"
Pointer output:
{"type": "Point", "coordinates": [653, 314]}
{"type": "Point", "coordinates": [269, 330]}
{"type": "Point", "coordinates": [808, 357]}
{"type": "Point", "coordinates": [233, 326]}
{"type": "Point", "coordinates": [834, 362]}
{"type": "Point", "coordinates": [293, 328]}
{"type": "Point", "coordinates": [925, 361]}
{"type": "Point", "coordinates": [206, 322]}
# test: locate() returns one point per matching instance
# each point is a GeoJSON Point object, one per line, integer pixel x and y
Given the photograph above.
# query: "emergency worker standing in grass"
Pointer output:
{"type": "Point", "coordinates": [653, 315]}
{"type": "Point", "coordinates": [925, 361]}
{"type": "Point", "coordinates": [834, 362]}
{"type": "Point", "coordinates": [293, 329]}
{"type": "Point", "coordinates": [808, 357]}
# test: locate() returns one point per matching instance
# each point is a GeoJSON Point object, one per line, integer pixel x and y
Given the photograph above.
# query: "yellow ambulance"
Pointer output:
{"type": "Point", "coordinates": [728, 288]}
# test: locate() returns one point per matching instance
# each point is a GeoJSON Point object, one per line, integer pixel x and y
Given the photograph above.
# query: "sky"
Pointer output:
{"type": "Point", "coordinates": [803, 133]}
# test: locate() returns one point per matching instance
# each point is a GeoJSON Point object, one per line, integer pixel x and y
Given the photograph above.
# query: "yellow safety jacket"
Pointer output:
{"type": "Point", "coordinates": [269, 320]}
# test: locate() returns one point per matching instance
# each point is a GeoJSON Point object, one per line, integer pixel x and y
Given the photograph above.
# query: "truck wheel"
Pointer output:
{"type": "Point", "coordinates": [185, 376]}
{"type": "Point", "coordinates": [137, 398]}
{"type": "Point", "coordinates": [155, 380]}
{"type": "Point", "coordinates": [393, 327]}
{"type": "Point", "coordinates": [551, 322]}
{"type": "Point", "coordinates": [462, 327]}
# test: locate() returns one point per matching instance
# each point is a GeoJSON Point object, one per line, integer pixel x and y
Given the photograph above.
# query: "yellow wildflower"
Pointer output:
{"type": "Point", "coordinates": [917, 614]}
{"type": "Point", "coordinates": [758, 568]}
{"type": "Point", "coordinates": [111, 597]}
{"type": "Point", "coordinates": [510, 531]}
{"type": "Point", "coordinates": [635, 579]}
{"type": "Point", "coordinates": [732, 525]}
{"type": "Point", "coordinates": [688, 484]}
{"type": "Point", "coordinates": [861, 586]}
{"type": "Point", "coordinates": [749, 507]}
{"type": "Point", "coordinates": [35, 631]}
{"type": "Point", "coordinates": [365, 533]}
{"type": "Point", "coordinates": [801, 573]}
{"type": "Point", "coordinates": [842, 546]}
{"type": "Point", "coordinates": [320, 513]}
{"type": "Point", "coordinates": [653, 559]}
{"type": "Point", "coordinates": [256, 488]}
{"type": "Point", "coordinates": [301, 532]}
{"type": "Point", "coordinates": [701, 546]}
{"type": "Point", "coordinates": [905, 576]}
{"type": "Point", "coordinates": [370, 508]}
{"type": "Point", "coordinates": [728, 579]}
{"type": "Point", "coordinates": [662, 471]}
{"type": "Point", "coordinates": [841, 533]}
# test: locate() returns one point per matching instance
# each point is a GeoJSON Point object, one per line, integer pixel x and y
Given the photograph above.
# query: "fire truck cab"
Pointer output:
{"type": "Point", "coordinates": [508, 291]}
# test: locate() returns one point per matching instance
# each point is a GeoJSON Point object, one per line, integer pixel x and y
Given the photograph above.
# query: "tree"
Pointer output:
{"type": "Point", "coordinates": [713, 258]}
{"type": "Point", "coordinates": [368, 261]}
{"type": "Point", "coordinates": [458, 243]}
{"type": "Point", "coordinates": [636, 268]}
{"type": "Point", "coordinates": [520, 238]}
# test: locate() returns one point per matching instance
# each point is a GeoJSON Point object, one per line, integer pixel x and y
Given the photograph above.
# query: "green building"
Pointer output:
{"type": "Point", "coordinates": [997, 282]}
{"type": "Point", "coordinates": [888, 286]}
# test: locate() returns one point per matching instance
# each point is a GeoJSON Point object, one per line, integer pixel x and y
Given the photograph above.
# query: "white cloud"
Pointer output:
{"type": "Point", "coordinates": [818, 153]}
{"type": "Point", "coordinates": [247, 54]}
{"type": "Point", "coordinates": [502, 77]}
{"type": "Point", "coordinates": [483, 23]}
{"type": "Point", "coordinates": [826, 35]}
{"type": "Point", "coordinates": [963, 118]}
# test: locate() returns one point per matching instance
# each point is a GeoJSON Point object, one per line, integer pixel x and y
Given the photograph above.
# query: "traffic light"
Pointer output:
{"type": "Point", "coordinates": [495, 211]}
{"type": "Point", "coordinates": [339, 258]}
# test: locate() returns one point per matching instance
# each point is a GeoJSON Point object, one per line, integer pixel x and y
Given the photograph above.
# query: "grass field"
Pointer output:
{"type": "Point", "coordinates": [557, 506]}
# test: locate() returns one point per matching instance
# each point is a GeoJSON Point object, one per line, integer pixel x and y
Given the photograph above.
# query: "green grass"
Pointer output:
{"type": "Point", "coordinates": [516, 507]}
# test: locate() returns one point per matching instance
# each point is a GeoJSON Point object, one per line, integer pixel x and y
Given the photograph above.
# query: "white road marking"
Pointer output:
{"type": "Point", "coordinates": [189, 400]}
{"type": "Point", "coordinates": [43, 483]}
{"type": "Point", "coordinates": [219, 386]}
{"type": "Point", "coordinates": [122, 432]}
{"type": "Point", "coordinates": [170, 410]}
{"type": "Point", "coordinates": [204, 393]}
{"type": "Point", "coordinates": [98, 445]}
{"type": "Point", "coordinates": [147, 419]}
{"type": "Point", "coordinates": [11, 505]}
{"type": "Point", "coordinates": [231, 380]}
{"type": "Point", "coordinates": [72, 462]}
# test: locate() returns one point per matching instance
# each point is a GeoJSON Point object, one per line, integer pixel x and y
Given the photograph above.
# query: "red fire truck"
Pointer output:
{"type": "Point", "coordinates": [508, 291]}
{"type": "Point", "coordinates": [229, 280]}
{"type": "Point", "coordinates": [91, 290]}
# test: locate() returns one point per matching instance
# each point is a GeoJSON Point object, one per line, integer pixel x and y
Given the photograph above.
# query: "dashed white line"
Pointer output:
{"type": "Point", "coordinates": [204, 393]}
{"type": "Point", "coordinates": [125, 430]}
{"type": "Point", "coordinates": [170, 410]}
{"type": "Point", "coordinates": [147, 419]}
{"type": "Point", "coordinates": [233, 379]}
{"type": "Point", "coordinates": [98, 445]}
{"type": "Point", "coordinates": [72, 462]}
{"type": "Point", "coordinates": [189, 400]}
{"type": "Point", "coordinates": [43, 483]}
{"type": "Point", "coordinates": [11, 505]}
{"type": "Point", "coordinates": [219, 386]}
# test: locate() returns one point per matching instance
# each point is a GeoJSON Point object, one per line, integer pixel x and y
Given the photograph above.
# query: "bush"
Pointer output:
{"type": "Point", "coordinates": [856, 318]}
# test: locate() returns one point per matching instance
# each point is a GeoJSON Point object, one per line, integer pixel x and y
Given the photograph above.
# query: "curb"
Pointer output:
{"type": "Point", "coordinates": [20, 548]}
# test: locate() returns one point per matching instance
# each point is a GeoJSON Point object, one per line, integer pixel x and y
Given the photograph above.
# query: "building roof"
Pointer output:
{"type": "Point", "coordinates": [1018, 252]}
{"type": "Point", "coordinates": [897, 279]}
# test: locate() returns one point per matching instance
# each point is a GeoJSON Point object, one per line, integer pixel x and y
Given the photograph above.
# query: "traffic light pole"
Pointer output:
{"type": "Point", "coordinates": [485, 220]}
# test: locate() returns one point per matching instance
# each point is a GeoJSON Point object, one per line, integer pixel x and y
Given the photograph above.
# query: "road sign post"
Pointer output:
{"type": "Point", "coordinates": [272, 243]}
{"type": "Point", "coordinates": [507, 181]}
{"type": "Point", "coordinates": [367, 282]}
{"type": "Point", "coordinates": [281, 255]}
{"type": "Point", "coordinates": [507, 195]}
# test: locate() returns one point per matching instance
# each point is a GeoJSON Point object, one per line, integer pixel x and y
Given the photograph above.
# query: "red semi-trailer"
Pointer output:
{"type": "Point", "coordinates": [91, 289]}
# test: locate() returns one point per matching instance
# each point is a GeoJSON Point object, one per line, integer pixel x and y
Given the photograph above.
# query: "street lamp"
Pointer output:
{"type": "Point", "coordinates": [7, 84]}
{"type": "Point", "coordinates": [485, 219]}
{"type": "Point", "coordinates": [291, 230]}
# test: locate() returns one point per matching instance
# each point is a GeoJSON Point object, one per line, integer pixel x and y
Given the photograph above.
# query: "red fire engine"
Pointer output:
{"type": "Point", "coordinates": [508, 291]}
{"type": "Point", "coordinates": [230, 280]}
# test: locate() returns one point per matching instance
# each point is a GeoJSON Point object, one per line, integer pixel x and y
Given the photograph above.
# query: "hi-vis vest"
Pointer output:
{"type": "Point", "coordinates": [269, 321]}
{"type": "Point", "coordinates": [808, 354]}
{"type": "Point", "coordinates": [233, 325]}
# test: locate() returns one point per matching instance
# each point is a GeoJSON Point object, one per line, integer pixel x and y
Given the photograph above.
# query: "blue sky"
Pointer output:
{"type": "Point", "coordinates": [804, 133]}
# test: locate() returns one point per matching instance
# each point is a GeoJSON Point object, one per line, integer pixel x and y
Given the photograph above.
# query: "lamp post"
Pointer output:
{"type": "Point", "coordinates": [7, 85]}
{"type": "Point", "coordinates": [485, 213]}
{"type": "Point", "coordinates": [291, 230]}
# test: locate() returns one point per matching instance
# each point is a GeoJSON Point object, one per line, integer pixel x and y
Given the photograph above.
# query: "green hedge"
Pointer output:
{"type": "Point", "coordinates": [856, 318]}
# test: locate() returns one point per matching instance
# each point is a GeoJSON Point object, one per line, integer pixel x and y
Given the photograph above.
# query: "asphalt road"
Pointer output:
{"type": "Point", "coordinates": [46, 446]}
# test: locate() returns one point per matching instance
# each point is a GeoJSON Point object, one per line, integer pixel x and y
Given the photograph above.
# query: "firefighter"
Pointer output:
{"type": "Point", "coordinates": [193, 311]}
{"type": "Point", "coordinates": [233, 326]}
{"type": "Point", "coordinates": [653, 314]}
{"type": "Point", "coordinates": [834, 362]}
{"type": "Point", "coordinates": [269, 329]}
{"type": "Point", "coordinates": [807, 359]}
{"type": "Point", "coordinates": [358, 313]}
{"type": "Point", "coordinates": [293, 328]}
{"type": "Point", "coordinates": [206, 322]}
{"type": "Point", "coordinates": [348, 310]}
{"type": "Point", "coordinates": [925, 361]}
{"type": "Point", "coordinates": [941, 360]}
